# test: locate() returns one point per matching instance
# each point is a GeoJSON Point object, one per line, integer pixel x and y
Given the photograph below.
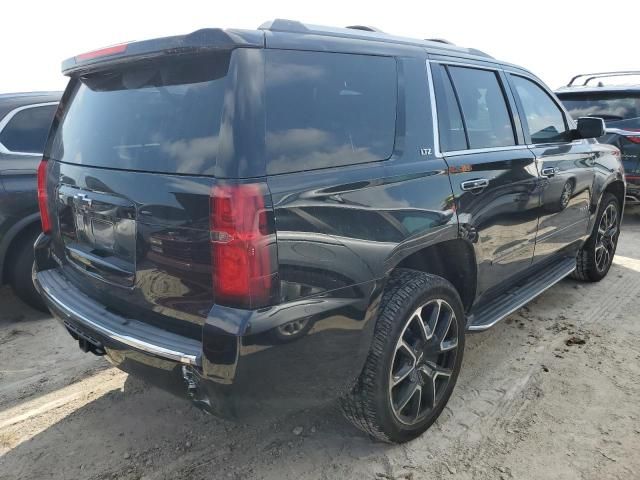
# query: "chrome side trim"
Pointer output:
{"type": "Point", "coordinates": [486, 150]}
{"type": "Point", "coordinates": [128, 340]}
{"type": "Point", "coordinates": [7, 118]}
{"type": "Point", "coordinates": [621, 132]}
{"type": "Point", "coordinates": [481, 328]}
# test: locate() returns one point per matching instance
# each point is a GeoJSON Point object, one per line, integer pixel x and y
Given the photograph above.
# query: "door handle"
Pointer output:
{"type": "Point", "coordinates": [549, 171]}
{"type": "Point", "coordinates": [476, 184]}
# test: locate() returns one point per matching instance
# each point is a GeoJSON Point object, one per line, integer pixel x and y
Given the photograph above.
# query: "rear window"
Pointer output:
{"type": "Point", "coordinates": [26, 131]}
{"type": "Point", "coordinates": [159, 117]}
{"type": "Point", "coordinates": [622, 110]}
{"type": "Point", "coordinates": [484, 107]}
{"type": "Point", "coordinates": [328, 109]}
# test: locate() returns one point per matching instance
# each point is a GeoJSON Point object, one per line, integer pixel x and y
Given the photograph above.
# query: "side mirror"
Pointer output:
{"type": "Point", "coordinates": [590, 127]}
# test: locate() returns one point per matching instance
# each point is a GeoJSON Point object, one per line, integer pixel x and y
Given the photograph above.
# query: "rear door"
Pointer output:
{"type": "Point", "coordinates": [492, 172]}
{"type": "Point", "coordinates": [565, 166]}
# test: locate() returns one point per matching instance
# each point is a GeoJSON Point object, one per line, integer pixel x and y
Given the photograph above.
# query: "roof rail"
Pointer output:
{"type": "Point", "coordinates": [294, 26]}
{"type": "Point", "coordinates": [439, 40]}
{"type": "Point", "coordinates": [593, 76]}
{"type": "Point", "coordinates": [283, 25]}
{"type": "Point", "coordinates": [365, 28]}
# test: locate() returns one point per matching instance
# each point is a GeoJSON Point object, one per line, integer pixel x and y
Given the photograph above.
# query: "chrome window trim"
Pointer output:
{"type": "Point", "coordinates": [486, 150]}
{"type": "Point", "coordinates": [434, 114]}
{"type": "Point", "coordinates": [7, 118]}
{"type": "Point", "coordinates": [468, 65]}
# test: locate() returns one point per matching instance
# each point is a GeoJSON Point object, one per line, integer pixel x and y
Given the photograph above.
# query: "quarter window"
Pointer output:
{"type": "Point", "coordinates": [328, 109]}
{"type": "Point", "coordinates": [27, 130]}
{"type": "Point", "coordinates": [544, 119]}
{"type": "Point", "coordinates": [483, 106]}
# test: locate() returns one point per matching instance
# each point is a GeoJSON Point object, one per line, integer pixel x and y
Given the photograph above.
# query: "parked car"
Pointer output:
{"type": "Point", "coordinates": [619, 106]}
{"type": "Point", "coordinates": [272, 219]}
{"type": "Point", "coordinates": [25, 119]}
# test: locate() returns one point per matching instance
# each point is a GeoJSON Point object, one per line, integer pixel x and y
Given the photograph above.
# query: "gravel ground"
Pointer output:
{"type": "Point", "coordinates": [550, 393]}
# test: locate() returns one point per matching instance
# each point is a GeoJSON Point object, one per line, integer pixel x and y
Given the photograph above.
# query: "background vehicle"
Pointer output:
{"type": "Point", "coordinates": [619, 106]}
{"type": "Point", "coordinates": [366, 199]}
{"type": "Point", "coordinates": [25, 119]}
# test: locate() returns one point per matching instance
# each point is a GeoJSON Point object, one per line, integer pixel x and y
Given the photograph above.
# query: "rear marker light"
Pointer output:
{"type": "Point", "coordinates": [241, 246]}
{"type": "Point", "coordinates": [42, 196]}
{"type": "Point", "coordinates": [103, 52]}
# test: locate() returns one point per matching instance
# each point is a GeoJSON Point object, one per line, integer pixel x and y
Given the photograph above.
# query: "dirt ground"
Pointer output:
{"type": "Point", "coordinates": [549, 393]}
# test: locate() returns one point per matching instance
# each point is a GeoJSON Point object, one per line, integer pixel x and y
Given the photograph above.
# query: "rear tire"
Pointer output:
{"type": "Point", "coordinates": [596, 255]}
{"type": "Point", "coordinates": [414, 360]}
{"type": "Point", "coordinates": [21, 267]}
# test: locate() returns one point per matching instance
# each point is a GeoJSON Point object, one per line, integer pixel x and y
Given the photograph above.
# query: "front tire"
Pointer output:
{"type": "Point", "coordinates": [414, 360]}
{"type": "Point", "coordinates": [596, 256]}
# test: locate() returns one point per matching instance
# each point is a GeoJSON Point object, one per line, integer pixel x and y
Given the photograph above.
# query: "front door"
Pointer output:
{"type": "Point", "coordinates": [565, 167]}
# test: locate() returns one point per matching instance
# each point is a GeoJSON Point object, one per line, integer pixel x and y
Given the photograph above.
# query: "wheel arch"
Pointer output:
{"type": "Point", "coordinates": [617, 188]}
{"type": "Point", "coordinates": [453, 260]}
{"type": "Point", "coordinates": [11, 242]}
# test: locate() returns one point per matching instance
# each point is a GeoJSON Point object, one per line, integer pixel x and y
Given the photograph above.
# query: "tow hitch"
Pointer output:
{"type": "Point", "coordinates": [195, 393]}
{"type": "Point", "coordinates": [86, 342]}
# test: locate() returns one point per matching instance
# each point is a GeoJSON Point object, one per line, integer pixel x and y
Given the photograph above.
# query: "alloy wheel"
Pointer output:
{"type": "Point", "coordinates": [606, 237]}
{"type": "Point", "coordinates": [423, 361]}
{"type": "Point", "coordinates": [565, 197]}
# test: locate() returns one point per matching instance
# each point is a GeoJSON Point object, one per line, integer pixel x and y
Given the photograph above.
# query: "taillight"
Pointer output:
{"type": "Point", "coordinates": [42, 196]}
{"type": "Point", "coordinates": [243, 249]}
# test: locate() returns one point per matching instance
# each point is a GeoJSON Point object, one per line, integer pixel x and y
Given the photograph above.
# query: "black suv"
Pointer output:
{"type": "Point", "coordinates": [619, 106]}
{"type": "Point", "coordinates": [268, 220]}
{"type": "Point", "coordinates": [25, 119]}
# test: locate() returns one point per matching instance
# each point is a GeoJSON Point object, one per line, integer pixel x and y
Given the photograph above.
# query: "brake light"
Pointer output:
{"type": "Point", "coordinates": [103, 52]}
{"type": "Point", "coordinates": [243, 246]}
{"type": "Point", "coordinates": [42, 196]}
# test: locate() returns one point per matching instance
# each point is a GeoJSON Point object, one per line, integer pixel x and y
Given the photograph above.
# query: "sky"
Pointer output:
{"type": "Point", "coordinates": [553, 39]}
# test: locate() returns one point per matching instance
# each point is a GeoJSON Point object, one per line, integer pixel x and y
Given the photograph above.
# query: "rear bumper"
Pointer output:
{"type": "Point", "coordinates": [71, 305]}
{"type": "Point", "coordinates": [242, 368]}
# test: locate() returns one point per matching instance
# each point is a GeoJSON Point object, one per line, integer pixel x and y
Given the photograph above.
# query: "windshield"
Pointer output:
{"type": "Point", "coordinates": [621, 110]}
{"type": "Point", "coordinates": [161, 116]}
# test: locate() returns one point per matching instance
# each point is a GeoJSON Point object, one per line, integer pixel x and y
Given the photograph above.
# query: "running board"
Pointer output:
{"type": "Point", "coordinates": [521, 294]}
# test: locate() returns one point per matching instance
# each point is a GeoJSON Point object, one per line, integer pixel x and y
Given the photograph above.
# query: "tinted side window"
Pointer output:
{"type": "Point", "coordinates": [450, 126]}
{"type": "Point", "coordinates": [27, 130]}
{"type": "Point", "coordinates": [544, 119]}
{"type": "Point", "coordinates": [484, 108]}
{"type": "Point", "coordinates": [328, 109]}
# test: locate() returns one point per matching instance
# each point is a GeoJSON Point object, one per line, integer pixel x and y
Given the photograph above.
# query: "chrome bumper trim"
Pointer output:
{"type": "Point", "coordinates": [122, 337]}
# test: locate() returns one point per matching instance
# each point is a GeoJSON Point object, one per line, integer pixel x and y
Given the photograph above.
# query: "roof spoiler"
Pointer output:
{"type": "Point", "coordinates": [206, 39]}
